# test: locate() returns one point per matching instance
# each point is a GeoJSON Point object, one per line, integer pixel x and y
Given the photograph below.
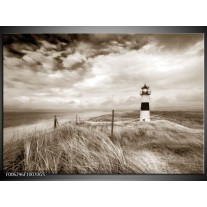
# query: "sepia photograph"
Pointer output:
{"type": "Point", "coordinates": [110, 103]}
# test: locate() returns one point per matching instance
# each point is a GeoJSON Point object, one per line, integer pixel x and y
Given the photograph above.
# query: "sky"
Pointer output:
{"type": "Point", "coordinates": [76, 72]}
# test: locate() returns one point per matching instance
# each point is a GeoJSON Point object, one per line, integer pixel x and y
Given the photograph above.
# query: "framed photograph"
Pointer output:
{"type": "Point", "coordinates": [103, 103]}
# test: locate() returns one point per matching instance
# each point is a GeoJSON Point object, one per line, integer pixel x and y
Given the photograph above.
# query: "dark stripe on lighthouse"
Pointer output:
{"type": "Point", "coordinates": [145, 106]}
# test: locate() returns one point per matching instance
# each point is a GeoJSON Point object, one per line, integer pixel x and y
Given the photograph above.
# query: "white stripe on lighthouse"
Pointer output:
{"type": "Point", "coordinates": [144, 115]}
{"type": "Point", "coordinates": [145, 98]}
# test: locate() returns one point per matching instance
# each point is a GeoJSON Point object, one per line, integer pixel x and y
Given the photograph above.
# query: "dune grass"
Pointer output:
{"type": "Point", "coordinates": [192, 119]}
{"type": "Point", "coordinates": [88, 148]}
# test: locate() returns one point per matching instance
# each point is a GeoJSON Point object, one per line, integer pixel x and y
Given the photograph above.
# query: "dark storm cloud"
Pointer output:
{"type": "Point", "coordinates": [100, 43]}
{"type": "Point", "coordinates": [9, 39]}
{"type": "Point", "coordinates": [80, 64]}
{"type": "Point", "coordinates": [114, 43]}
{"type": "Point", "coordinates": [58, 62]}
{"type": "Point", "coordinates": [176, 41]}
{"type": "Point", "coordinates": [15, 43]}
{"type": "Point", "coordinates": [58, 38]}
{"type": "Point", "coordinates": [105, 39]}
{"type": "Point", "coordinates": [77, 65]}
{"type": "Point", "coordinates": [35, 39]}
{"type": "Point", "coordinates": [37, 49]}
{"type": "Point", "coordinates": [15, 52]}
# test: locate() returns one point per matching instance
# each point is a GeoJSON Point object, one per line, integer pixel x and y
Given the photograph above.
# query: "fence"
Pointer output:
{"type": "Point", "coordinates": [77, 120]}
{"type": "Point", "coordinates": [159, 165]}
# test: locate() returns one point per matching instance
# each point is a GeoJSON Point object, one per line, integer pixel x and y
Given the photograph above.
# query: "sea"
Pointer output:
{"type": "Point", "coordinates": [15, 124]}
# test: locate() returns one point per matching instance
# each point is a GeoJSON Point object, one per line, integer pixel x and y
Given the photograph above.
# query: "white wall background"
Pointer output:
{"type": "Point", "coordinates": [103, 13]}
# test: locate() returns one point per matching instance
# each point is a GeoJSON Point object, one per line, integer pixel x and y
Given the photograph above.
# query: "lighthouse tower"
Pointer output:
{"type": "Point", "coordinates": [145, 110]}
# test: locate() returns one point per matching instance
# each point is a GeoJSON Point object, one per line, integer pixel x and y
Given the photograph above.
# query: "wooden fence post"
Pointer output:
{"type": "Point", "coordinates": [55, 121]}
{"type": "Point", "coordinates": [76, 119]}
{"type": "Point", "coordinates": [112, 124]}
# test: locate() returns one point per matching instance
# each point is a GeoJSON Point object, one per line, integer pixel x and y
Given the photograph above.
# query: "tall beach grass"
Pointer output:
{"type": "Point", "coordinates": [88, 148]}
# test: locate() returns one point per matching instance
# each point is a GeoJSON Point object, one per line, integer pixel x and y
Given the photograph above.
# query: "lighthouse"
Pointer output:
{"type": "Point", "coordinates": [145, 109]}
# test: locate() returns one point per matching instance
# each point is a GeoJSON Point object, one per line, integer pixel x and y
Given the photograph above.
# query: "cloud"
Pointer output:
{"type": "Point", "coordinates": [86, 71]}
{"type": "Point", "coordinates": [176, 41]}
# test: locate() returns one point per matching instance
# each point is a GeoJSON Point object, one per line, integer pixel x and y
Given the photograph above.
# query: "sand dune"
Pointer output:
{"type": "Point", "coordinates": [155, 147]}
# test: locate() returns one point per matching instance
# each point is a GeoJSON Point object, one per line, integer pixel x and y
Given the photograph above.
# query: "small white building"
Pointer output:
{"type": "Point", "coordinates": [145, 109]}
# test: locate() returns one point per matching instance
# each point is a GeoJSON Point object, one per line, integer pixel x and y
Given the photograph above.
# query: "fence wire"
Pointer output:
{"type": "Point", "coordinates": [80, 120]}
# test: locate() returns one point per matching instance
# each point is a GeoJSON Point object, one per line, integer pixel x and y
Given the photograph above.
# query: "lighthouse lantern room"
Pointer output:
{"type": "Point", "coordinates": [145, 109]}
